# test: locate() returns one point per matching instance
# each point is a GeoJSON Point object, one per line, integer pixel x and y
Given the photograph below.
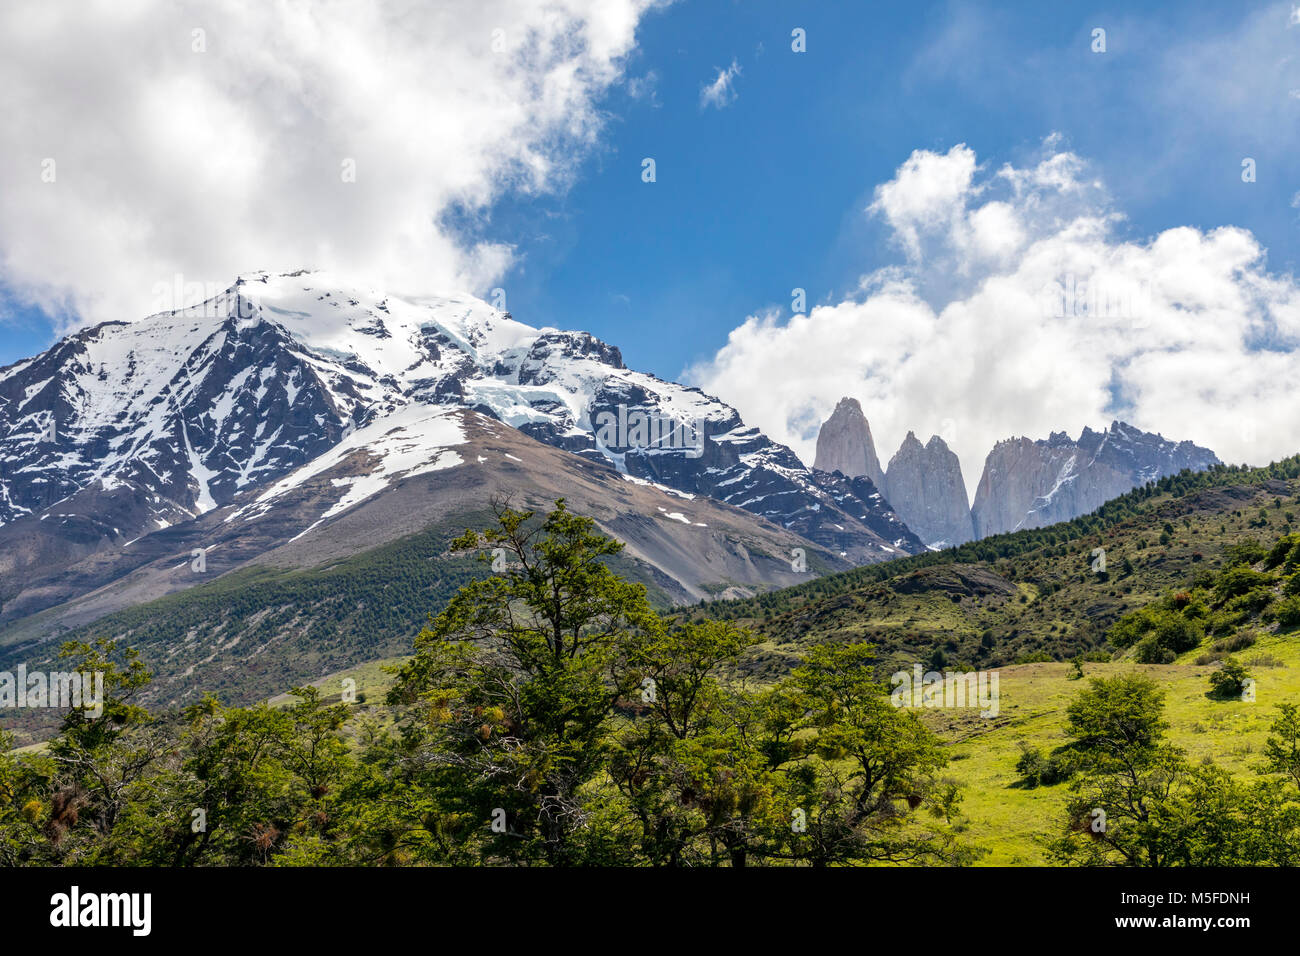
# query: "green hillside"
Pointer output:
{"type": "Point", "coordinates": [1199, 568]}
{"type": "Point", "coordinates": [549, 716]}
{"type": "Point", "coordinates": [1032, 595]}
{"type": "Point", "coordinates": [1010, 821]}
{"type": "Point", "coordinates": [1217, 549]}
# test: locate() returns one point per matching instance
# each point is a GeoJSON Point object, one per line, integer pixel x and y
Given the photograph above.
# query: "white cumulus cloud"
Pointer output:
{"type": "Point", "coordinates": [148, 138]}
{"type": "Point", "coordinates": [1022, 309]}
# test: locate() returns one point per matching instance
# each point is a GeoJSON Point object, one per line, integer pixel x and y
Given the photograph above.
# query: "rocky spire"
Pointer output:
{"type": "Point", "coordinates": [844, 444]}
{"type": "Point", "coordinates": [925, 488]}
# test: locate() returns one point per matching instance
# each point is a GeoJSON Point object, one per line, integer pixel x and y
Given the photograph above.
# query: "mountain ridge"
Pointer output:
{"type": "Point", "coordinates": [202, 402]}
{"type": "Point", "coordinates": [1025, 482]}
{"type": "Point", "coordinates": [127, 435]}
{"type": "Point", "coordinates": [1029, 483]}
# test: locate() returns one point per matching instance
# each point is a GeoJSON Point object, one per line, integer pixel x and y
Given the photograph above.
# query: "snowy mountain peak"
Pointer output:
{"type": "Point", "coordinates": [203, 403]}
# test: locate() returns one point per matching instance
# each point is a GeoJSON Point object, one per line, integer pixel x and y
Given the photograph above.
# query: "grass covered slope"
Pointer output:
{"type": "Point", "coordinates": [1209, 569]}
{"type": "Point", "coordinates": [1031, 595]}
{"type": "Point", "coordinates": [1006, 821]}
{"type": "Point", "coordinates": [553, 685]}
{"type": "Point", "coordinates": [1199, 570]}
{"type": "Point", "coordinates": [1010, 821]}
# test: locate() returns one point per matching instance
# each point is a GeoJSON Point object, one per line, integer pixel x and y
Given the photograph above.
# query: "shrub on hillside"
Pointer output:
{"type": "Point", "coordinates": [1225, 622]}
{"type": "Point", "coordinates": [1130, 628]}
{"type": "Point", "coordinates": [1243, 553]}
{"type": "Point", "coordinates": [1192, 605]}
{"type": "Point", "coordinates": [1149, 651]}
{"type": "Point", "coordinates": [1287, 612]}
{"type": "Point", "coordinates": [1278, 550]}
{"type": "Point", "coordinates": [1178, 633]}
{"type": "Point", "coordinates": [1172, 629]}
{"type": "Point", "coordinates": [1281, 551]}
{"type": "Point", "coordinates": [1238, 581]}
{"type": "Point", "coordinates": [1237, 642]}
{"type": "Point", "coordinates": [1253, 602]}
{"type": "Point", "coordinates": [1039, 770]}
{"type": "Point", "coordinates": [1265, 660]}
{"type": "Point", "coordinates": [1230, 679]}
{"type": "Point", "coordinates": [1034, 657]}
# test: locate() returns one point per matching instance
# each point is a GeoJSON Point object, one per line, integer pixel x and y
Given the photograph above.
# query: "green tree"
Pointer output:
{"type": "Point", "coordinates": [1123, 770]}
{"type": "Point", "coordinates": [516, 683]}
{"type": "Point", "coordinates": [868, 768]}
{"type": "Point", "coordinates": [264, 779]}
{"type": "Point", "coordinates": [24, 806]}
{"type": "Point", "coordinates": [1282, 749]}
{"type": "Point", "coordinates": [102, 759]}
{"type": "Point", "coordinates": [692, 775]}
{"type": "Point", "coordinates": [1136, 801]}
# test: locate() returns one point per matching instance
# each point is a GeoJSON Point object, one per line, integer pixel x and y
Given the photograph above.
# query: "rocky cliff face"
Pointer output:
{"type": "Point", "coordinates": [923, 485]}
{"type": "Point", "coordinates": [1026, 483]}
{"type": "Point", "coordinates": [1030, 484]}
{"type": "Point", "coordinates": [844, 444]}
{"type": "Point", "coordinates": [925, 488]}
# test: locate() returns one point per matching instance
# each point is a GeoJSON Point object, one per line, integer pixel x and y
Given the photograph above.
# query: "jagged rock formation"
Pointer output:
{"type": "Point", "coordinates": [844, 444]}
{"type": "Point", "coordinates": [1030, 484]}
{"type": "Point", "coordinates": [924, 486]}
{"type": "Point", "coordinates": [1026, 484]}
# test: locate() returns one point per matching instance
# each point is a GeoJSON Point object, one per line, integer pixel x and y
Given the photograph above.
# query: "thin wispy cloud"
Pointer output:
{"type": "Point", "coordinates": [721, 92]}
{"type": "Point", "coordinates": [645, 88]}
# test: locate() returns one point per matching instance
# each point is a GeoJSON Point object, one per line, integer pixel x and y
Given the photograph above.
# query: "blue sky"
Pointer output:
{"type": "Point", "coordinates": [768, 192]}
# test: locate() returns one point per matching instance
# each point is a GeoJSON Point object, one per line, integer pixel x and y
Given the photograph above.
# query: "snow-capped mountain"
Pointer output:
{"type": "Point", "coordinates": [128, 428]}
